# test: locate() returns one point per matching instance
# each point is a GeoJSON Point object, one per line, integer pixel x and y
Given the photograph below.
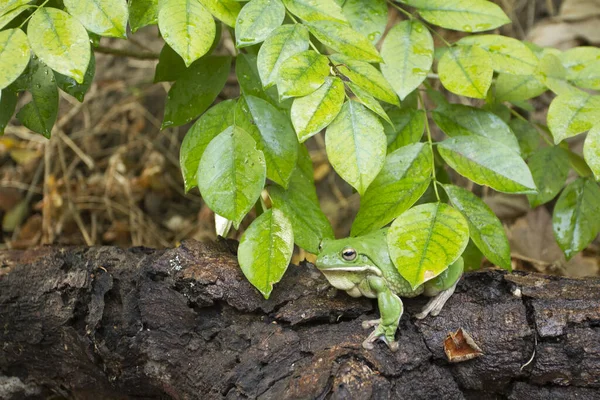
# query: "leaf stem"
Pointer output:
{"type": "Point", "coordinates": [430, 141]}
{"type": "Point", "coordinates": [31, 15]}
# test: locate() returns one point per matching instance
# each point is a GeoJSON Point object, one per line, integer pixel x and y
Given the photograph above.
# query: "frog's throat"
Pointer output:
{"type": "Point", "coordinates": [355, 268]}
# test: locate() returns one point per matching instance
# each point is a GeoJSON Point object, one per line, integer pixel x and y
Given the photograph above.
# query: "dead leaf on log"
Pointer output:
{"type": "Point", "coordinates": [460, 346]}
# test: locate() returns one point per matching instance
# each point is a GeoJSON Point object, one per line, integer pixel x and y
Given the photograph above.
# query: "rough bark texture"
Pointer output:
{"type": "Point", "coordinates": [184, 324]}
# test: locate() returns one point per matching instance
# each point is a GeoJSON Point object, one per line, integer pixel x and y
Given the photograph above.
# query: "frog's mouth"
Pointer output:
{"type": "Point", "coordinates": [355, 268]}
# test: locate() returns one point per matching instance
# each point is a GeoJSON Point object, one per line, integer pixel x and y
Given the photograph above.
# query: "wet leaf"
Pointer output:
{"type": "Point", "coordinates": [508, 55]}
{"type": "Point", "coordinates": [231, 174]}
{"type": "Point", "coordinates": [591, 150]}
{"type": "Point", "coordinates": [302, 74]}
{"type": "Point", "coordinates": [502, 170]}
{"type": "Point", "coordinates": [575, 219]}
{"type": "Point", "coordinates": [356, 145]}
{"type": "Point", "coordinates": [8, 104]}
{"type": "Point", "coordinates": [485, 228]}
{"type": "Point", "coordinates": [407, 52]}
{"type": "Point", "coordinates": [224, 10]}
{"type": "Point", "coordinates": [342, 38]}
{"type": "Point", "coordinates": [583, 66]}
{"type": "Point", "coordinates": [518, 87]}
{"type": "Point", "coordinates": [549, 167]}
{"type": "Point", "coordinates": [246, 72]}
{"type": "Point", "coordinates": [170, 65]}
{"type": "Point", "coordinates": [527, 136]}
{"type": "Point", "coordinates": [60, 41]}
{"type": "Point", "coordinates": [106, 17]}
{"type": "Point", "coordinates": [403, 179]}
{"type": "Point", "coordinates": [257, 20]}
{"type": "Point", "coordinates": [190, 33]}
{"type": "Point", "coordinates": [425, 240]}
{"type": "Point", "coordinates": [195, 90]}
{"type": "Point", "coordinates": [552, 74]}
{"type": "Point", "coordinates": [313, 113]}
{"type": "Point", "coordinates": [459, 120]}
{"type": "Point", "coordinates": [284, 42]}
{"type": "Point", "coordinates": [14, 55]}
{"type": "Point", "coordinates": [367, 17]}
{"type": "Point", "coordinates": [5, 19]}
{"type": "Point", "coordinates": [466, 71]}
{"type": "Point", "coordinates": [573, 113]}
{"type": "Point", "coordinates": [204, 130]}
{"type": "Point", "coordinates": [40, 113]}
{"type": "Point", "coordinates": [310, 10]}
{"type": "Point", "coordinates": [142, 13]}
{"type": "Point", "coordinates": [266, 249]}
{"type": "Point", "coordinates": [70, 85]}
{"type": "Point", "coordinates": [408, 127]}
{"type": "Point", "coordinates": [461, 15]}
{"type": "Point", "coordinates": [369, 101]}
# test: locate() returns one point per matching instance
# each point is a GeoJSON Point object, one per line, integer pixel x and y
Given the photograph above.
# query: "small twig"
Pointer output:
{"type": "Point", "coordinates": [145, 55]}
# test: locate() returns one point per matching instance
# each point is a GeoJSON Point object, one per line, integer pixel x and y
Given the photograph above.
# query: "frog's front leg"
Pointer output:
{"type": "Point", "coordinates": [390, 309]}
{"type": "Point", "coordinates": [441, 288]}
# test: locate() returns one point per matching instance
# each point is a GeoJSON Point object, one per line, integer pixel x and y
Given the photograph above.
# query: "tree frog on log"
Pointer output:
{"type": "Point", "coordinates": [362, 267]}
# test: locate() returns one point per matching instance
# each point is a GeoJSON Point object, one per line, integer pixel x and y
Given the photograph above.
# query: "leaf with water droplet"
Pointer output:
{"type": "Point", "coordinates": [224, 10]}
{"type": "Point", "coordinates": [591, 150]}
{"type": "Point", "coordinates": [573, 113]}
{"type": "Point", "coordinates": [41, 112]}
{"type": "Point", "coordinates": [142, 13]}
{"type": "Point", "coordinates": [257, 20]}
{"type": "Point", "coordinates": [508, 55]}
{"type": "Point", "coordinates": [583, 66]}
{"type": "Point", "coordinates": [466, 71]}
{"type": "Point", "coordinates": [368, 17]}
{"type": "Point", "coordinates": [407, 52]}
{"type": "Point", "coordinates": [14, 55]}
{"type": "Point", "coordinates": [302, 74]}
{"type": "Point", "coordinates": [311, 10]}
{"type": "Point", "coordinates": [369, 101]}
{"type": "Point", "coordinates": [342, 38]}
{"type": "Point", "coordinates": [70, 86]}
{"type": "Point", "coordinates": [106, 17]}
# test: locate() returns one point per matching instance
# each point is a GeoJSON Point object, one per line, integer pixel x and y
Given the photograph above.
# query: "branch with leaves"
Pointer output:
{"type": "Point", "coordinates": [306, 66]}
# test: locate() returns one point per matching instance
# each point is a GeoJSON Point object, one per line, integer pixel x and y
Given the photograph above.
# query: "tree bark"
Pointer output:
{"type": "Point", "coordinates": [184, 324]}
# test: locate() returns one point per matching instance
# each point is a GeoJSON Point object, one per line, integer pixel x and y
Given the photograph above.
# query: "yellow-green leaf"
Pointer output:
{"type": "Point", "coordinates": [552, 74]}
{"type": "Point", "coordinates": [257, 20]}
{"type": "Point", "coordinates": [311, 114]}
{"type": "Point", "coordinates": [342, 38]}
{"type": "Point", "coordinates": [368, 17]}
{"type": "Point", "coordinates": [187, 27]}
{"type": "Point", "coordinates": [302, 74]}
{"type": "Point", "coordinates": [106, 17]}
{"type": "Point", "coordinates": [142, 13]}
{"type": "Point", "coordinates": [407, 52]}
{"type": "Point", "coordinates": [311, 10]}
{"type": "Point", "coordinates": [356, 145]}
{"type": "Point", "coordinates": [466, 71]}
{"type": "Point", "coordinates": [369, 101]}
{"type": "Point", "coordinates": [583, 66]}
{"type": "Point", "coordinates": [573, 113]}
{"type": "Point", "coordinates": [408, 125]}
{"type": "Point", "coordinates": [461, 15]}
{"type": "Point", "coordinates": [425, 240]}
{"type": "Point", "coordinates": [60, 41]}
{"type": "Point", "coordinates": [11, 15]}
{"type": "Point", "coordinates": [284, 42]}
{"type": "Point", "coordinates": [509, 55]}
{"type": "Point", "coordinates": [14, 55]}
{"type": "Point", "coordinates": [517, 87]}
{"type": "Point", "coordinates": [591, 150]}
{"type": "Point", "coordinates": [224, 10]}
{"type": "Point", "coordinates": [266, 249]}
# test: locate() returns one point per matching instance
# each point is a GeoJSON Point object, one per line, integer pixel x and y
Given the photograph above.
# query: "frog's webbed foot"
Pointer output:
{"type": "Point", "coordinates": [381, 332]}
{"type": "Point", "coordinates": [435, 305]}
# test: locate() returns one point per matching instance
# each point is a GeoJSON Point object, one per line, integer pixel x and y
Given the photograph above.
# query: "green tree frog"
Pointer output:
{"type": "Point", "coordinates": [362, 267]}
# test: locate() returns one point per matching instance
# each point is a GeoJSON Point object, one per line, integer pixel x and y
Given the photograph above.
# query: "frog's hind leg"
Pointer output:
{"type": "Point", "coordinates": [441, 288]}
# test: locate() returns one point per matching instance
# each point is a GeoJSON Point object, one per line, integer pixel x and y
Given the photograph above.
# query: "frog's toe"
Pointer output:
{"type": "Point", "coordinates": [393, 345]}
{"type": "Point", "coordinates": [368, 344]}
{"type": "Point", "coordinates": [435, 305]}
{"type": "Point", "coordinates": [371, 323]}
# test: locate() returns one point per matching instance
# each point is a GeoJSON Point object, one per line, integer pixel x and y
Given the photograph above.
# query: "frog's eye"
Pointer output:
{"type": "Point", "coordinates": [349, 254]}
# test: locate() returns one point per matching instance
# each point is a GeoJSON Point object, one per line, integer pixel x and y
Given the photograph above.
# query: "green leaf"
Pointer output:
{"type": "Point", "coordinates": [552, 74]}
{"type": "Point", "coordinates": [5, 19]}
{"type": "Point", "coordinates": [106, 17]}
{"type": "Point", "coordinates": [508, 55]}
{"type": "Point", "coordinates": [250, 84]}
{"type": "Point", "coordinates": [369, 101]}
{"type": "Point", "coordinates": [461, 15]}
{"type": "Point", "coordinates": [575, 219]}
{"type": "Point", "coordinates": [142, 13]}
{"type": "Point", "coordinates": [408, 127]}
{"type": "Point", "coordinates": [195, 91]}
{"type": "Point", "coordinates": [301, 205]}
{"type": "Point", "coordinates": [224, 10]}
{"type": "Point", "coordinates": [404, 178]}
{"type": "Point", "coordinates": [485, 228]}
{"type": "Point", "coordinates": [459, 120]}
{"type": "Point", "coordinates": [77, 90]}
{"type": "Point", "coordinates": [425, 240]}
{"type": "Point", "coordinates": [9, 5]}
{"type": "Point", "coordinates": [367, 17]}
{"type": "Point", "coordinates": [302, 74]}
{"type": "Point", "coordinates": [60, 41]}
{"type": "Point", "coordinates": [40, 114]}
{"type": "Point", "coordinates": [591, 150]}
{"type": "Point", "coordinates": [517, 87]}
{"type": "Point", "coordinates": [549, 167]}
{"type": "Point", "coordinates": [583, 66]}
{"type": "Point", "coordinates": [8, 104]}
{"type": "Point", "coordinates": [356, 145]}
{"type": "Point", "coordinates": [572, 113]}
{"type": "Point", "coordinates": [527, 136]}
{"type": "Point", "coordinates": [231, 174]}
{"type": "Point", "coordinates": [311, 114]}
{"type": "Point", "coordinates": [310, 10]}
{"type": "Point", "coordinates": [205, 129]}
{"type": "Point", "coordinates": [466, 71]}
{"type": "Point", "coordinates": [170, 65]}
{"type": "Point", "coordinates": [284, 42]}
{"type": "Point", "coordinates": [407, 52]}
{"type": "Point", "coordinates": [472, 257]}
{"type": "Point", "coordinates": [14, 55]}
{"type": "Point", "coordinates": [342, 38]}
{"type": "Point", "coordinates": [266, 249]}
{"type": "Point", "coordinates": [257, 20]}
{"type": "Point", "coordinates": [277, 139]}
{"type": "Point", "coordinates": [365, 76]}
{"type": "Point", "coordinates": [502, 169]}
{"type": "Point", "coordinates": [187, 27]}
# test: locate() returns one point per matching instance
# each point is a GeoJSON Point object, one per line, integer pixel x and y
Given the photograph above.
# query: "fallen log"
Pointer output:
{"type": "Point", "coordinates": [183, 323]}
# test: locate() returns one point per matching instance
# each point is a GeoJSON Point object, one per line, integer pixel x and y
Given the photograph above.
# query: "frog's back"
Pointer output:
{"type": "Point", "coordinates": [396, 282]}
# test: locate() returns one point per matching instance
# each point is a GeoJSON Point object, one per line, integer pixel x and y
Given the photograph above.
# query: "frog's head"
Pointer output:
{"type": "Point", "coordinates": [346, 262]}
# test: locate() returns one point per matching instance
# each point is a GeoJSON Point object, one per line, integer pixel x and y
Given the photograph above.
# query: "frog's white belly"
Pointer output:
{"type": "Point", "coordinates": [355, 284]}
